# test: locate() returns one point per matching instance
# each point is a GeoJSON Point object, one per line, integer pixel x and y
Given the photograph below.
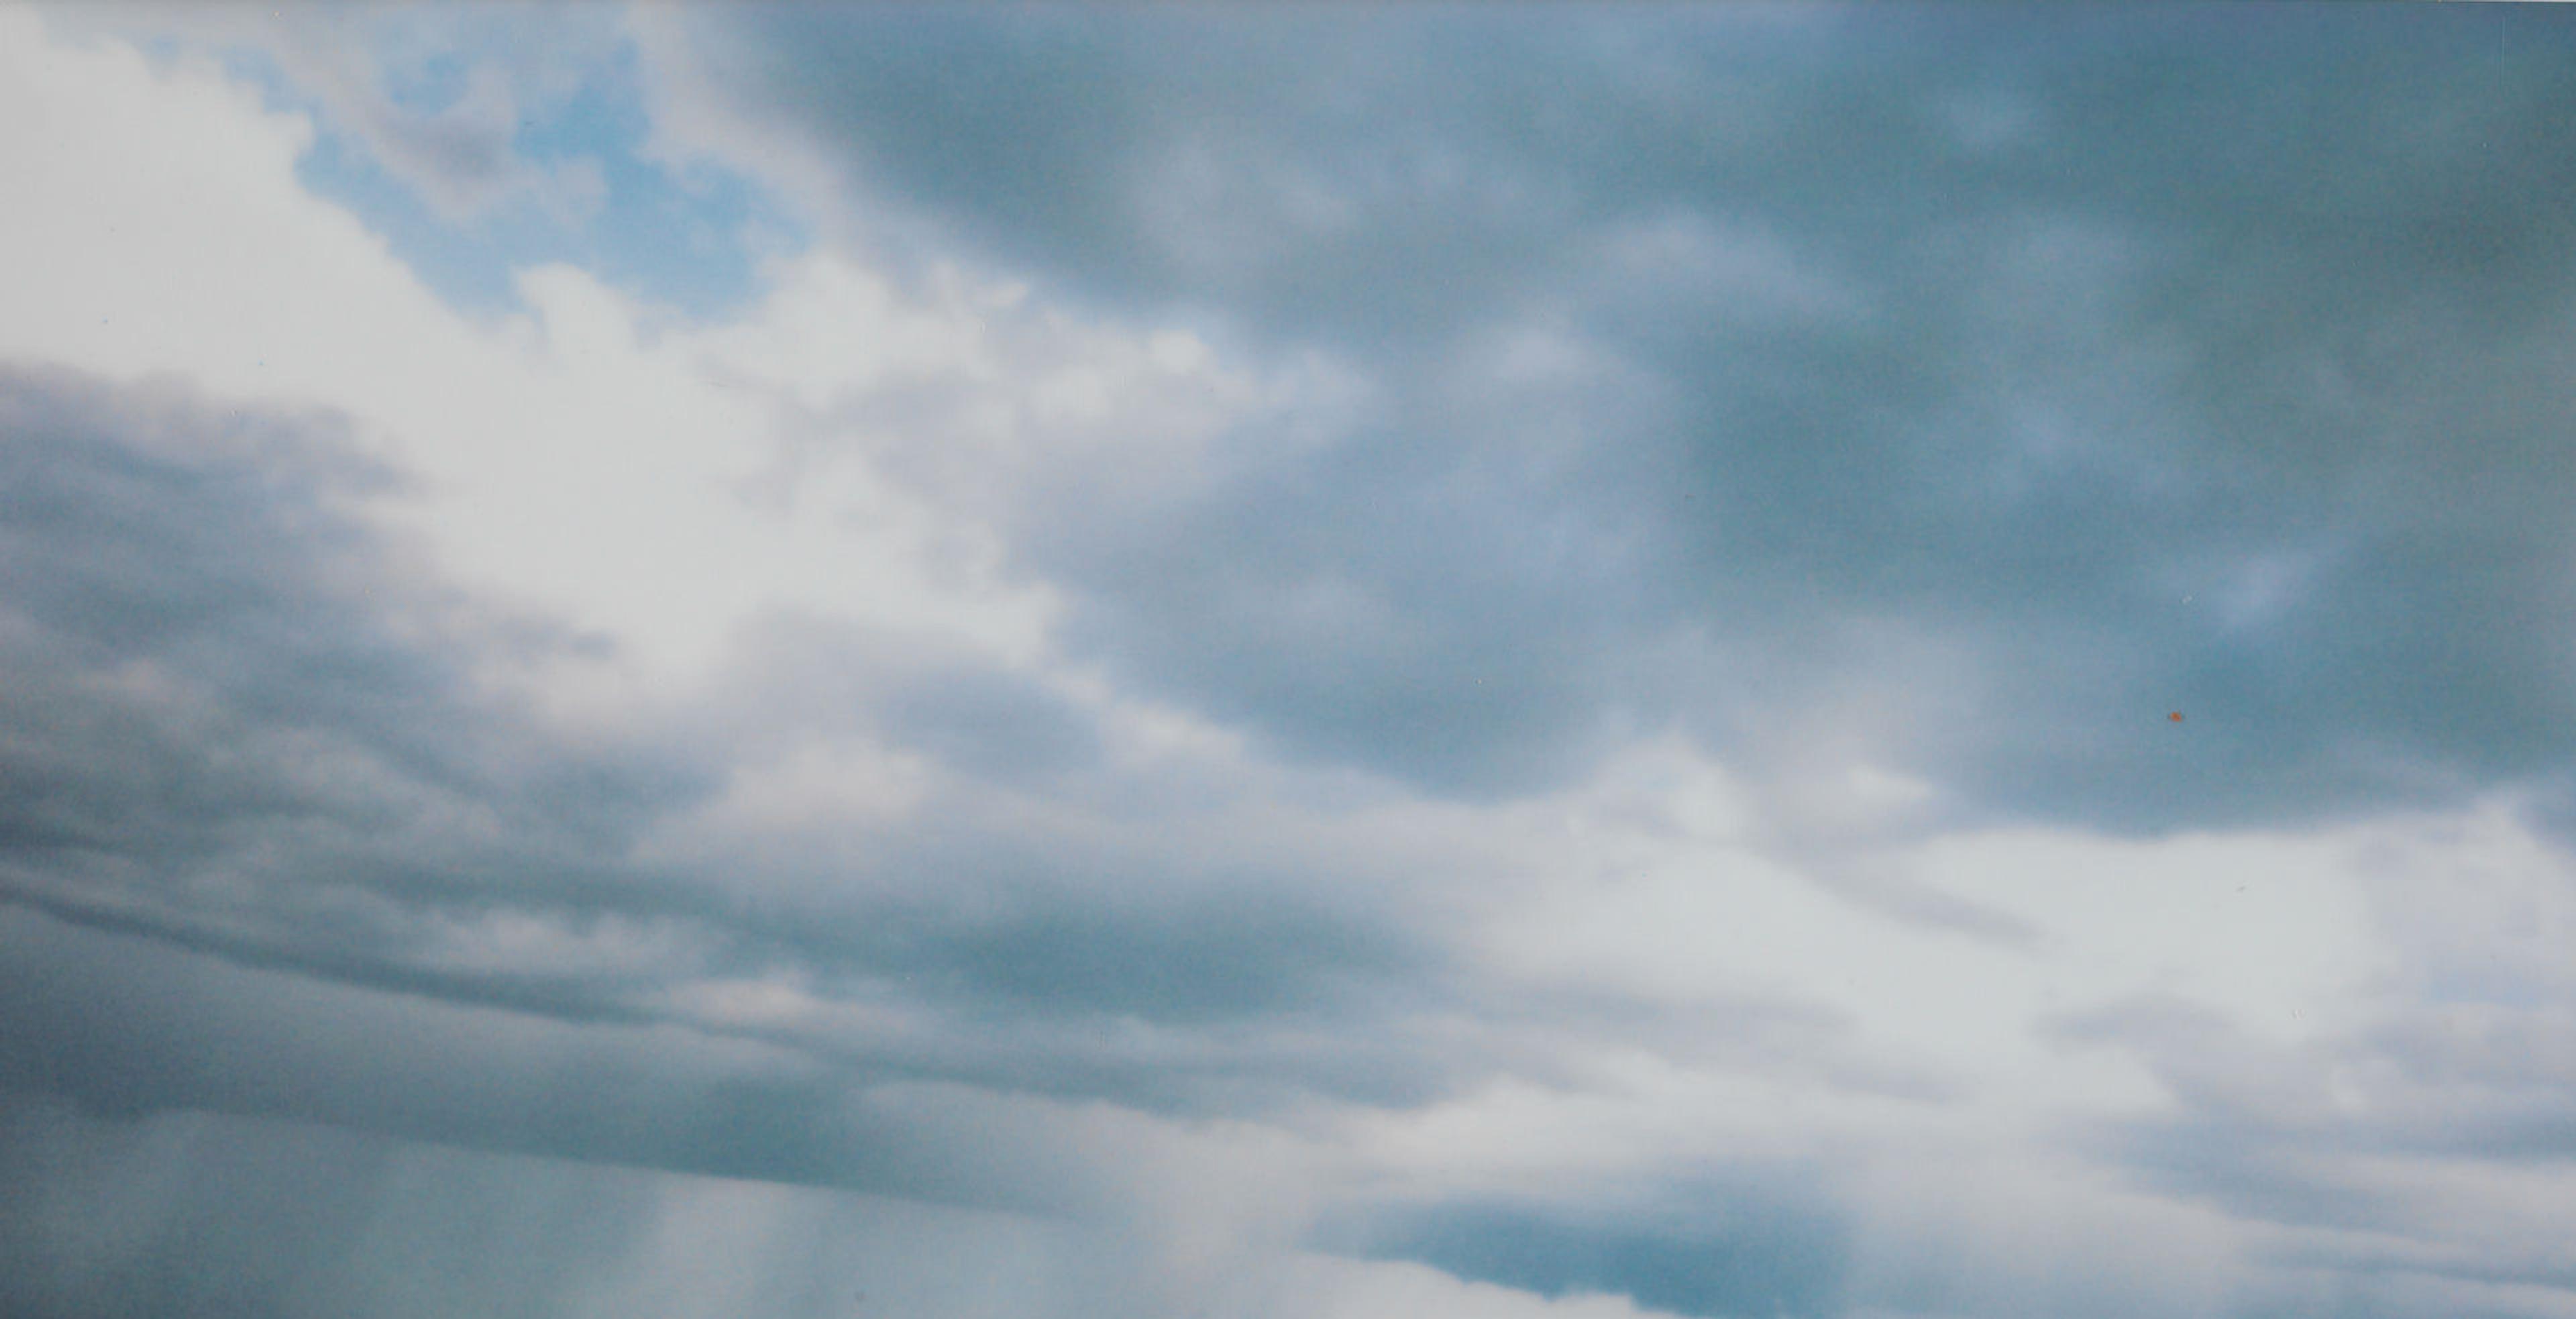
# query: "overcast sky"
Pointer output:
{"type": "Point", "coordinates": [1263, 663]}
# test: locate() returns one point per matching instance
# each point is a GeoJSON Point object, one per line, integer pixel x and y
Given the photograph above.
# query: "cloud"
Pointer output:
{"type": "Point", "coordinates": [246, 719]}
{"type": "Point", "coordinates": [1532, 642]}
{"type": "Point", "coordinates": [2209, 377]}
{"type": "Point", "coordinates": [278, 809]}
{"type": "Point", "coordinates": [440, 107]}
{"type": "Point", "coordinates": [274, 810]}
{"type": "Point", "coordinates": [2413, 1133]}
{"type": "Point", "coordinates": [1743, 1251]}
{"type": "Point", "coordinates": [283, 1219]}
{"type": "Point", "coordinates": [247, 734]}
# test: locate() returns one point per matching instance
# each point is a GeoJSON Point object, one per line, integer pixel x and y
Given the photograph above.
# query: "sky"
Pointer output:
{"type": "Point", "coordinates": [1263, 662]}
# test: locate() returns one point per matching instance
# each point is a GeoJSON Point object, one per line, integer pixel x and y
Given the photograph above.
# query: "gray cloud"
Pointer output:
{"type": "Point", "coordinates": [204, 1214]}
{"type": "Point", "coordinates": [2192, 359]}
{"type": "Point", "coordinates": [128, 1028]}
{"type": "Point", "coordinates": [2412, 1162]}
{"type": "Point", "coordinates": [247, 730]}
{"type": "Point", "coordinates": [226, 696]}
{"type": "Point", "coordinates": [1911, 386]}
{"type": "Point", "coordinates": [1745, 1244]}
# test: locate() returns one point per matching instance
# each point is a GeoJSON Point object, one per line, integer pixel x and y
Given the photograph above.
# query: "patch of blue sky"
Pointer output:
{"type": "Point", "coordinates": [690, 239]}
{"type": "Point", "coordinates": [427, 83]}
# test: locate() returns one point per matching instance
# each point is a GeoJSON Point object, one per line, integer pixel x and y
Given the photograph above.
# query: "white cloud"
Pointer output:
{"type": "Point", "coordinates": [590, 455]}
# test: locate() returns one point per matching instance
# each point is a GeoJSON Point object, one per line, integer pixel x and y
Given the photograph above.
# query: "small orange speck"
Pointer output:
{"type": "Point", "coordinates": [2176, 716]}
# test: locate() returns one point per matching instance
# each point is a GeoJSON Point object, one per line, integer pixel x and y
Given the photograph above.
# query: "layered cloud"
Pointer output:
{"type": "Point", "coordinates": [1300, 663]}
{"type": "Point", "coordinates": [2177, 361]}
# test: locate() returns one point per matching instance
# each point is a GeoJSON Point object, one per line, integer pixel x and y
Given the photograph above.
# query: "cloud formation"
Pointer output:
{"type": "Point", "coordinates": [1507, 664]}
{"type": "Point", "coordinates": [2165, 360]}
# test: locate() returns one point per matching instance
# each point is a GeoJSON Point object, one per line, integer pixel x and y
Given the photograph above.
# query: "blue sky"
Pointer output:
{"type": "Point", "coordinates": [1287, 661]}
{"type": "Point", "coordinates": [569, 126]}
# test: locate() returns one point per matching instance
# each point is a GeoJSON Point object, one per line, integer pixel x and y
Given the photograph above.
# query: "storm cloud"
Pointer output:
{"type": "Point", "coordinates": [1843, 661]}
{"type": "Point", "coordinates": [2109, 363]}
